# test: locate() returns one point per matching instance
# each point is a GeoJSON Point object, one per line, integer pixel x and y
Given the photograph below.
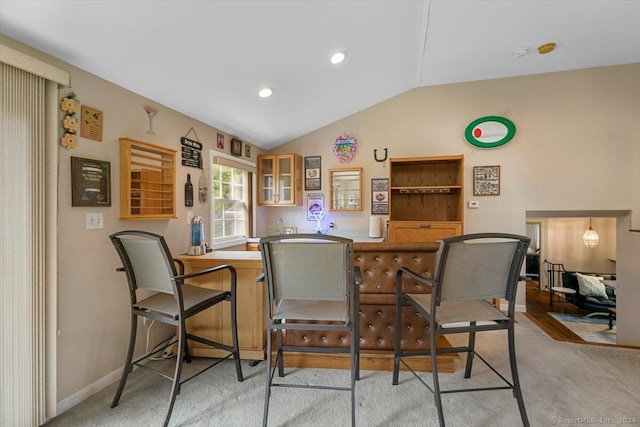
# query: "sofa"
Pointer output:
{"type": "Point", "coordinates": [532, 262]}
{"type": "Point", "coordinates": [591, 294]}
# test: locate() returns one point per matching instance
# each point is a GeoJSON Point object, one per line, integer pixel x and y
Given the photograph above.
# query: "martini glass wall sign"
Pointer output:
{"type": "Point", "coordinates": [151, 112]}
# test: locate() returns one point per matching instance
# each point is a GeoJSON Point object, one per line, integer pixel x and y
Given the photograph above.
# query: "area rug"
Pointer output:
{"type": "Point", "coordinates": [591, 329]}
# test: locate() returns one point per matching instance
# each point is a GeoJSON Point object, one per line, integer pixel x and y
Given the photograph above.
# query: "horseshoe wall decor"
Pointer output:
{"type": "Point", "coordinates": [375, 155]}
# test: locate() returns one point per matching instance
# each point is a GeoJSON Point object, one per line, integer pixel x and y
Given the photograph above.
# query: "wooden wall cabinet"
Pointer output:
{"type": "Point", "coordinates": [280, 179]}
{"type": "Point", "coordinates": [147, 181]}
{"type": "Point", "coordinates": [426, 202]}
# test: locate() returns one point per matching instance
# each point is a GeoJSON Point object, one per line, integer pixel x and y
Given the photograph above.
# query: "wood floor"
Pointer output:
{"type": "Point", "coordinates": [538, 310]}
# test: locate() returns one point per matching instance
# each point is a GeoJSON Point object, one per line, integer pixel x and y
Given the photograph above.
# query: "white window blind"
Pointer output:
{"type": "Point", "coordinates": [28, 259]}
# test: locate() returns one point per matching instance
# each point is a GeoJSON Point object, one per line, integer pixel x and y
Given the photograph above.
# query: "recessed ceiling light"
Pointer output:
{"type": "Point", "coordinates": [338, 57]}
{"type": "Point", "coordinates": [265, 92]}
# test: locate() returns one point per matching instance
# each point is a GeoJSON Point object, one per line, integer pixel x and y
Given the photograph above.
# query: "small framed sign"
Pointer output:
{"type": "Point", "coordinates": [236, 147]}
{"type": "Point", "coordinates": [315, 206]}
{"type": "Point", "coordinates": [312, 180]}
{"type": "Point", "coordinates": [90, 182]}
{"type": "Point", "coordinates": [486, 180]}
{"type": "Point", "coordinates": [380, 196]}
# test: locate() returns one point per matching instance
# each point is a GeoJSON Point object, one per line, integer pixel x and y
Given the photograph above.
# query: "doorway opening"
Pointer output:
{"type": "Point", "coordinates": [557, 244]}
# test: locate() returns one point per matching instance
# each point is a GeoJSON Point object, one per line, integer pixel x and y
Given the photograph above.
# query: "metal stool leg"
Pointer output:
{"type": "Point", "coordinates": [517, 392]}
{"type": "Point", "coordinates": [127, 365]}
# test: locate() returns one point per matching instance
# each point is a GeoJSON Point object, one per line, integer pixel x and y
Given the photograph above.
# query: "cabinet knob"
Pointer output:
{"type": "Point", "coordinates": [425, 225]}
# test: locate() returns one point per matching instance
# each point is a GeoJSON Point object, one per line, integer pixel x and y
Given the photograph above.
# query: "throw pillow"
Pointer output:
{"type": "Point", "coordinates": [591, 286]}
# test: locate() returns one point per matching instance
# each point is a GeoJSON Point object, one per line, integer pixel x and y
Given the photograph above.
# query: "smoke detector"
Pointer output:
{"type": "Point", "coordinates": [521, 52]}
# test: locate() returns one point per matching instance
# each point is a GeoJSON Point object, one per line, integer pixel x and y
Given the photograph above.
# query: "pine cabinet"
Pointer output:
{"type": "Point", "coordinates": [426, 202]}
{"type": "Point", "coordinates": [215, 323]}
{"type": "Point", "coordinates": [147, 181]}
{"type": "Point", "coordinates": [279, 179]}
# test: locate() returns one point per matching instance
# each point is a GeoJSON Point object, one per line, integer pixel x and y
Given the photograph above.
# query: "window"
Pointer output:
{"type": "Point", "coordinates": [230, 202]}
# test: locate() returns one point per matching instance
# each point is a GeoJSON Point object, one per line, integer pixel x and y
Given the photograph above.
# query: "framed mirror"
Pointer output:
{"type": "Point", "coordinates": [345, 186]}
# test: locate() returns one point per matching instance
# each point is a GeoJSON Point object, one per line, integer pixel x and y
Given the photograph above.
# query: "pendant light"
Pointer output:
{"type": "Point", "coordinates": [590, 237]}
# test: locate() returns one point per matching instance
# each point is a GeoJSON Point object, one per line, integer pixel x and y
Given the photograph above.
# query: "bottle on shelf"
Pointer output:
{"type": "Point", "coordinates": [188, 192]}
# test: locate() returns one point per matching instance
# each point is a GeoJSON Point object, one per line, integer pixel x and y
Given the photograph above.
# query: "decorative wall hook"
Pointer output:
{"type": "Point", "coordinates": [375, 155]}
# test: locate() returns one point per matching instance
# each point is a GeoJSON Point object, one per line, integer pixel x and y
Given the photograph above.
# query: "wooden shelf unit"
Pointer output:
{"type": "Point", "coordinates": [426, 202]}
{"type": "Point", "coordinates": [147, 181]}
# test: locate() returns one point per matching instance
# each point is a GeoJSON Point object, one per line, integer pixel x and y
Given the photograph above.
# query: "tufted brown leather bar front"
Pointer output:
{"type": "Point", "coordinates": [378, 264]}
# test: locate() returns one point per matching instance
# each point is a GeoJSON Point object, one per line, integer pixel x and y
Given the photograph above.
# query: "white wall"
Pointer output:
{"type": "Point", "coordinates": [564, 244]}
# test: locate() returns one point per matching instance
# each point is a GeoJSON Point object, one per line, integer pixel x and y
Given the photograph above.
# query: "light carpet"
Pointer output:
{"type": "Point", "coordinates": [563, 384]}
{"type": "Point", "coordinates": [590, 329]}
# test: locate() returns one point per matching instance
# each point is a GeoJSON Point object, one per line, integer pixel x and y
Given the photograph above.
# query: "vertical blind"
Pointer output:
{"type": "Point", "coordinates": [27, 247]}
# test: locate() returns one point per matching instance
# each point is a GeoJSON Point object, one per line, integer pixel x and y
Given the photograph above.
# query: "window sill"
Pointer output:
{"type": "Point", "coordinates": [229, 243]}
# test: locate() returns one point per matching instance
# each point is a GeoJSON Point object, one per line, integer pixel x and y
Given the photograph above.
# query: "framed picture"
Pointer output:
{"type": "Point", "coordinates": [312, 173]}
{"type": "Point", "coordinates": [486, 180]}
{"type": "Point", "coordinates": [220, 141]}
{"type": "Point", "coordinates": [90, 182]}
{"type": "Point", "coordinates": [380, 196]}
{"type": "Point", "coordinates": [236, 147]}
{"type": "Point", "coordinates": [247, 150]}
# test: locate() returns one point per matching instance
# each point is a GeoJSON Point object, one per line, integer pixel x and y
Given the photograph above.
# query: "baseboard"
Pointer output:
{"type": "Point", "coordinates": [521, 308]}
{"type": "Point", "coordinates": [77, 397]}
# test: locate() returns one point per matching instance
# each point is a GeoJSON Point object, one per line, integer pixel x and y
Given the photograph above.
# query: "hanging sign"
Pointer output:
{"type": "Point", "coordinates": [490, 132]}
{"type": "Point", "coordinates": [191, 152]}
{"type": "Point", "coordinates": [344, 148]}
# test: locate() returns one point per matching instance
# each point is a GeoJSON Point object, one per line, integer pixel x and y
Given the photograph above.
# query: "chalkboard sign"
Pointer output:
{"type": "Point", "coordinates": [90, 182]}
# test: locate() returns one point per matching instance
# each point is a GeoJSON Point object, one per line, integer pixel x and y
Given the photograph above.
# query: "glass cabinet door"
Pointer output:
{"type": "Point", "coordinates": [266, 174]}
{"type": "Point", "coordinates": [346, 189]}
{"type": "Point", "coordinates": [285, 180]}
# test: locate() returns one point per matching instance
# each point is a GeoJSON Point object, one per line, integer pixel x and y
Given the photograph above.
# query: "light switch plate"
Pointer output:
{"type": "Point", "coordinates": [473, 204]}
{"type": "Point", "coordinates": [95, 221]}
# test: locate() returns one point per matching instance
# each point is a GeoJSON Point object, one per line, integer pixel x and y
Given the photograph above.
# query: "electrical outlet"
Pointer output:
{"type": "Point", "coordinates": [189, 216]}
{"type": "Point", "coordinates": [94, 221]}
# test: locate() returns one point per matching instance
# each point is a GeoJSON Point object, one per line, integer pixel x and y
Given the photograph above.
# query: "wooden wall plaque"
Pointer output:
{"type": "Point", "coordinates": [91, 123]}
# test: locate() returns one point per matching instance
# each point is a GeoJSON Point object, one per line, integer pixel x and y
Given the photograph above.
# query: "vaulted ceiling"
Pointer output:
{"type": "Point", "coordinates": [209, 59]}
